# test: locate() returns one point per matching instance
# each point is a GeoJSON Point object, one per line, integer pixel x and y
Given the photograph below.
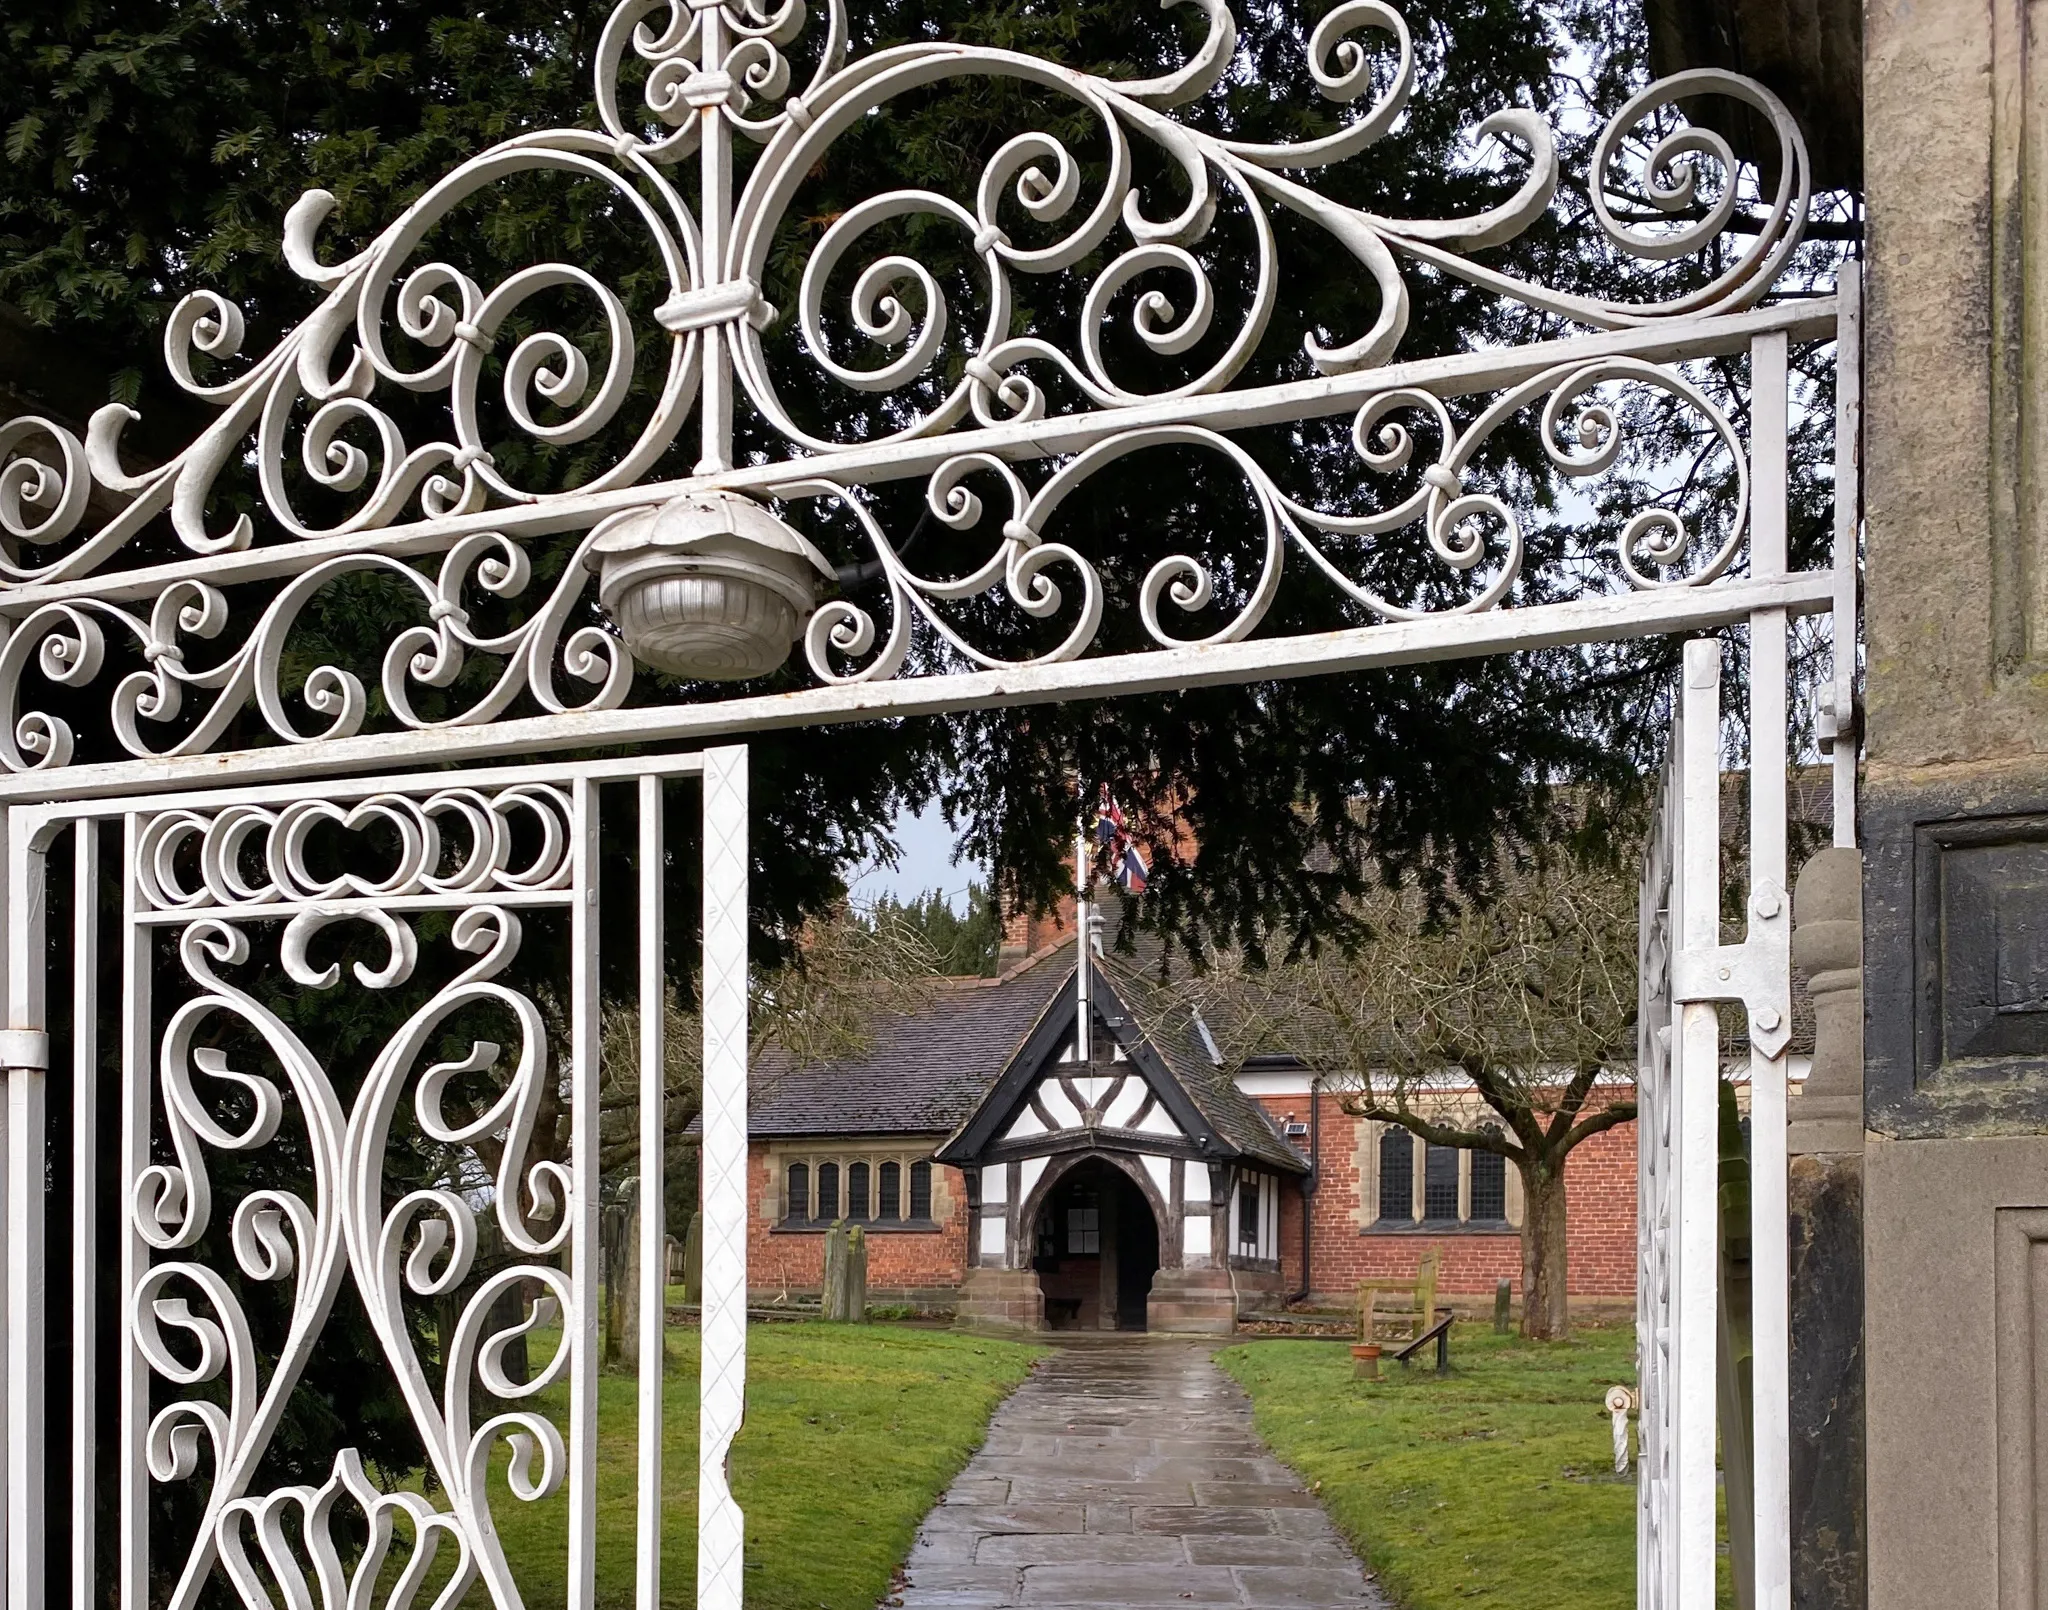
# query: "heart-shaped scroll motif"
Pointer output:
{"type": "Point", "coordinates": [275, 1236]}
{"type": "Point", "coordinates": [332, 1583]}
{"type": "Point", "coordinates": [440, 1226]}
{"type": "Point", "coordinates": [296, 822]}
{"type": "Point", "coordinates": [188, 1321]}
{"type": "Point", "coordinates": [455, 841]}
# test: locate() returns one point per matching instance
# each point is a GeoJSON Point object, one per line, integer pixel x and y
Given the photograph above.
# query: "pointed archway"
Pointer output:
{"type": "Point", "coordinates": [1096, 1233]}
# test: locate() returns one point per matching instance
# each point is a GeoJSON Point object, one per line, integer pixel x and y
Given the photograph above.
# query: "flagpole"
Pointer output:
{"type": "Point", "coordinates": [1083, 992]}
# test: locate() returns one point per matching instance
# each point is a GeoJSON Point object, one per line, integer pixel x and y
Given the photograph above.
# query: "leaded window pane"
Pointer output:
{"type": "Point", "coordinates": [889, 1184]}
{"type": "Point", "coordinates": [1397, 1175]}
{"type": "Point", "coordinates": [797, 1194]}
{"type": "Point", "coordinates": [857, 1191]}
{"type": "Point", "coordinates": [1248, 1211]}
{"type": "Point", "coordinates": [1489, 1186]}
{"type": "Point", "coordinates": [1084, 1230]}
{"type": "Point", "coordinates": [828, 1192]}
{"type": "Point", "coordinates": [920, 1190]}
{"type": "Point", "coordinates": [1440, 1183]}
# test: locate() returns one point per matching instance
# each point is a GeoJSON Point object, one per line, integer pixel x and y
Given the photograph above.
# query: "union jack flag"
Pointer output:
{"type": "Point", "coordinates": [1126, 866]}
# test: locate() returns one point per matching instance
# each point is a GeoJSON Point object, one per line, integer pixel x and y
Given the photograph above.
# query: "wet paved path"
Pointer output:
{"type": "Point", "coordinates": [1126, 1472]}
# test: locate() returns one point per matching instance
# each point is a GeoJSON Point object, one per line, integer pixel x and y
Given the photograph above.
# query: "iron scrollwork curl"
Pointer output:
{"type": "Point", "coordinates": [1468, 536]}
{"type": "Point", "coordinates": [213, 873]}
{"type": "Point", "coordinates": [334, 467]}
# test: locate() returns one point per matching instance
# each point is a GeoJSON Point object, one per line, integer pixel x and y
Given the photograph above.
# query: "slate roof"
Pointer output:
{"type": "Point", "coordinates": [927, 1072]}
{"type": "Point", "coordinates": [924, 1072]}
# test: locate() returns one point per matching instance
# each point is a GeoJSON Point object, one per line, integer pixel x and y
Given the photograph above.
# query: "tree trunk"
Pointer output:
{"type": "Point", "coordinates": [1545, 1313]}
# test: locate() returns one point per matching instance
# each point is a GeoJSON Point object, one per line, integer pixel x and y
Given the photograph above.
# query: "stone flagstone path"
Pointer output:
{"type": "Point", "coordinates": [1126, 1472]}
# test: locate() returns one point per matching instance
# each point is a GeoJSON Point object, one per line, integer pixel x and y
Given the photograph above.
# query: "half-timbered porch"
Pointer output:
{"type": "Point", "coordinates": [1084, 1131]}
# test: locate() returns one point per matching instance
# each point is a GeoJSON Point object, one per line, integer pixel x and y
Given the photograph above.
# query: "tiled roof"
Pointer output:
{"type": "Point", "coordinates": [924, 1071]}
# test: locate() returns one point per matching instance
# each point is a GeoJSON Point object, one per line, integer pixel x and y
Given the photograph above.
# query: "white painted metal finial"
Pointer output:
{"type": "Point", "coordinates": [1620, 1403]}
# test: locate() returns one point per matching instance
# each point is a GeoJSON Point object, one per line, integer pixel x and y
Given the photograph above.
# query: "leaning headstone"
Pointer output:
{"type": "Point", "coordinates": [846, 1274]}
{"type": "Point", "coordinates": [832, 1297]}
{"type": "Point", "coordinates": [1502, 1301]}
{"type": "Point", "coordinates": [856, 1303]}
{"type": "Point", "coordinates": [693, 1260]}
{"type": "Point", "coordinates": [627, 1307]}
{"type": "Point", "coordinates": [611, 1237]}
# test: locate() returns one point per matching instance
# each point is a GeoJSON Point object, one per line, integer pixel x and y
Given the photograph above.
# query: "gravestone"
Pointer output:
{"type": "Point", "coordinates": [626, 1307]}
{"type": "Point", "coordinates": [693, 1260]}
{"type": "Point", "coordinates": [846, 1274]}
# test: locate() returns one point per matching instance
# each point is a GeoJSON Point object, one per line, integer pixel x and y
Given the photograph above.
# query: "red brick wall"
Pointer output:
{"type": "Point", "coordinates": [795, 1261]}
{"type": "Point", "coordinates": [1600, 1212]}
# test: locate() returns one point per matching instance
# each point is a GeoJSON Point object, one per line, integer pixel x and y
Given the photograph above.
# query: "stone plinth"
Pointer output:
{"type": "Point", "coordinates": [1829, 1548]}
{"type": "Point", "coordinates": [1003, 1301]}
{"type": "Point", "coordinates": [1192, 1302]}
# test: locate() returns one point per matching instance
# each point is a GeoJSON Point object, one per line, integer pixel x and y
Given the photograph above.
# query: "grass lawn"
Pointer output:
{"type": "Point", "coordinates": [852, 1433]}
{"type": "Point", "coordinates": [1493, 1485]}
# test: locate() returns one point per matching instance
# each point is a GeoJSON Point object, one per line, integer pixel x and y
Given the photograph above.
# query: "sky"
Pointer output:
{"type": "Point", "coordinates": [926, 864]}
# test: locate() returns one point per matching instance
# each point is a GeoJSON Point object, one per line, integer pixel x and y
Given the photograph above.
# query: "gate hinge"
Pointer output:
{"type": "Point", "coordinates": [24, 1048]}
{"type": "Point", "coordinates": [1757, 972]}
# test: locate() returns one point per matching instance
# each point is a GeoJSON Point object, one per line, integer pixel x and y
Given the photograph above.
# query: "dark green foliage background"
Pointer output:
{"type": "Point", "coordinates": [153, 146]}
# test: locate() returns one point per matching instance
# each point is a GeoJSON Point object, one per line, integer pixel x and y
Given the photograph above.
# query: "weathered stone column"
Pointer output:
{"type": "Point", "coordinates": [1955, 802]}
{"type": "Point", "coordinates": [1825, 1198]}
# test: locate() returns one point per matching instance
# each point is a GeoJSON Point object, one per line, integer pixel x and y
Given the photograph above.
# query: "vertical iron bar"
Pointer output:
{"type": "Point", "coordinates": [715, 221]}
{"type": "Point", "coordinates": [583, 1166]}
{"type": "Point", "coordinates": [27, 1167]}
{"type": "Point", "coordinates": [723, 1378]}
{"type": "Point", "coordinates": [1695, 1089]}
{"type": "Point", "coordinates": [85, 952]}
{"type": "Point", "coordinates": [653, 1189]}
{"type": "Point", "coordinates": [8, 1254]}
{"type": "Point", "coordinates": [1769, 904]}
{"type": "Point", "coordinates": [1848, 527]}
{"type": "Point", "coordinates": [137, 953]}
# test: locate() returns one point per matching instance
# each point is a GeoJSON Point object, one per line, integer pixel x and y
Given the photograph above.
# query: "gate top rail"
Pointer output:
{"type": "Point", "coordinates": [1004, 421]}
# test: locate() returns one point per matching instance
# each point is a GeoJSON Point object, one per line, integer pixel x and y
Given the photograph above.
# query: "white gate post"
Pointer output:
{"type": "Point", "coordinates": [584, 1168]}
{"type": "Point", "coordinates": [85, 1196]}
{"type": "Point", "coordinates": [25, 1057]}
{"type": "Point", "coordinates": [1769, 933]}
{"type": "Point", "coordinates": [653, 1191]}
{"type": "Point", "coordinates": [723, 1380]}
{"type": "Point", "coordinates": [1695, 1090]}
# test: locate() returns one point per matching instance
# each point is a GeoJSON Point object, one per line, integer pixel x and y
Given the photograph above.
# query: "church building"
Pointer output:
{"type": "Point", "coordinates": [1057, 1149]}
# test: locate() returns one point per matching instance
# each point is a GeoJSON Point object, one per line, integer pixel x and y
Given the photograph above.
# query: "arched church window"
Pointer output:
{"type": "Point", "coordinates": [796, 1208]}
{"type": "Point", "coordinates": [1489, 1187]}
{"type": "Point", "coordinates": [920, 1190]}
{"type": "Point", "coordinates": [1397, 1174]}
{"type": "Point", "coordinates": [889, 1191]}
{"type": "Point", "coordinates": [828, 1192]}
{"type": "Point", "coordinates": [1440, 1184]}
{"type": "Point", "coordinates": [857, 1191]}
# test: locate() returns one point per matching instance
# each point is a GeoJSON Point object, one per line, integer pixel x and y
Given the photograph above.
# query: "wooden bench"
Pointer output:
{"type": "Point", "coordinates": [1390, 1311]}
{"type": "Point", "coordinates": [1062, 1313]}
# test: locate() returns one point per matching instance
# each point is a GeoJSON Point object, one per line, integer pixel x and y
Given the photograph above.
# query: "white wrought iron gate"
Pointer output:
{"type": "Point", "coordinates": [159, 730]}
{"type": "Point", "coordinates": [445, 876]}
{"type": "Point", "coordinates": [1689, 1399]}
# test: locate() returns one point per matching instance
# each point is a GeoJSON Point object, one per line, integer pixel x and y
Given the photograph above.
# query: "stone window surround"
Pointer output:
{"type": "Point", "coordinates": [1469, 1113]}
{"type": "Point", "coordinates": [903, 1151]}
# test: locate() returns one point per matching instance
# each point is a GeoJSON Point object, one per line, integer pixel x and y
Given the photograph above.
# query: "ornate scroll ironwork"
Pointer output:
{"type": "Point", "coordinates": [323, 417]}
{"type": "Point", "coordinates": [235, 885]}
